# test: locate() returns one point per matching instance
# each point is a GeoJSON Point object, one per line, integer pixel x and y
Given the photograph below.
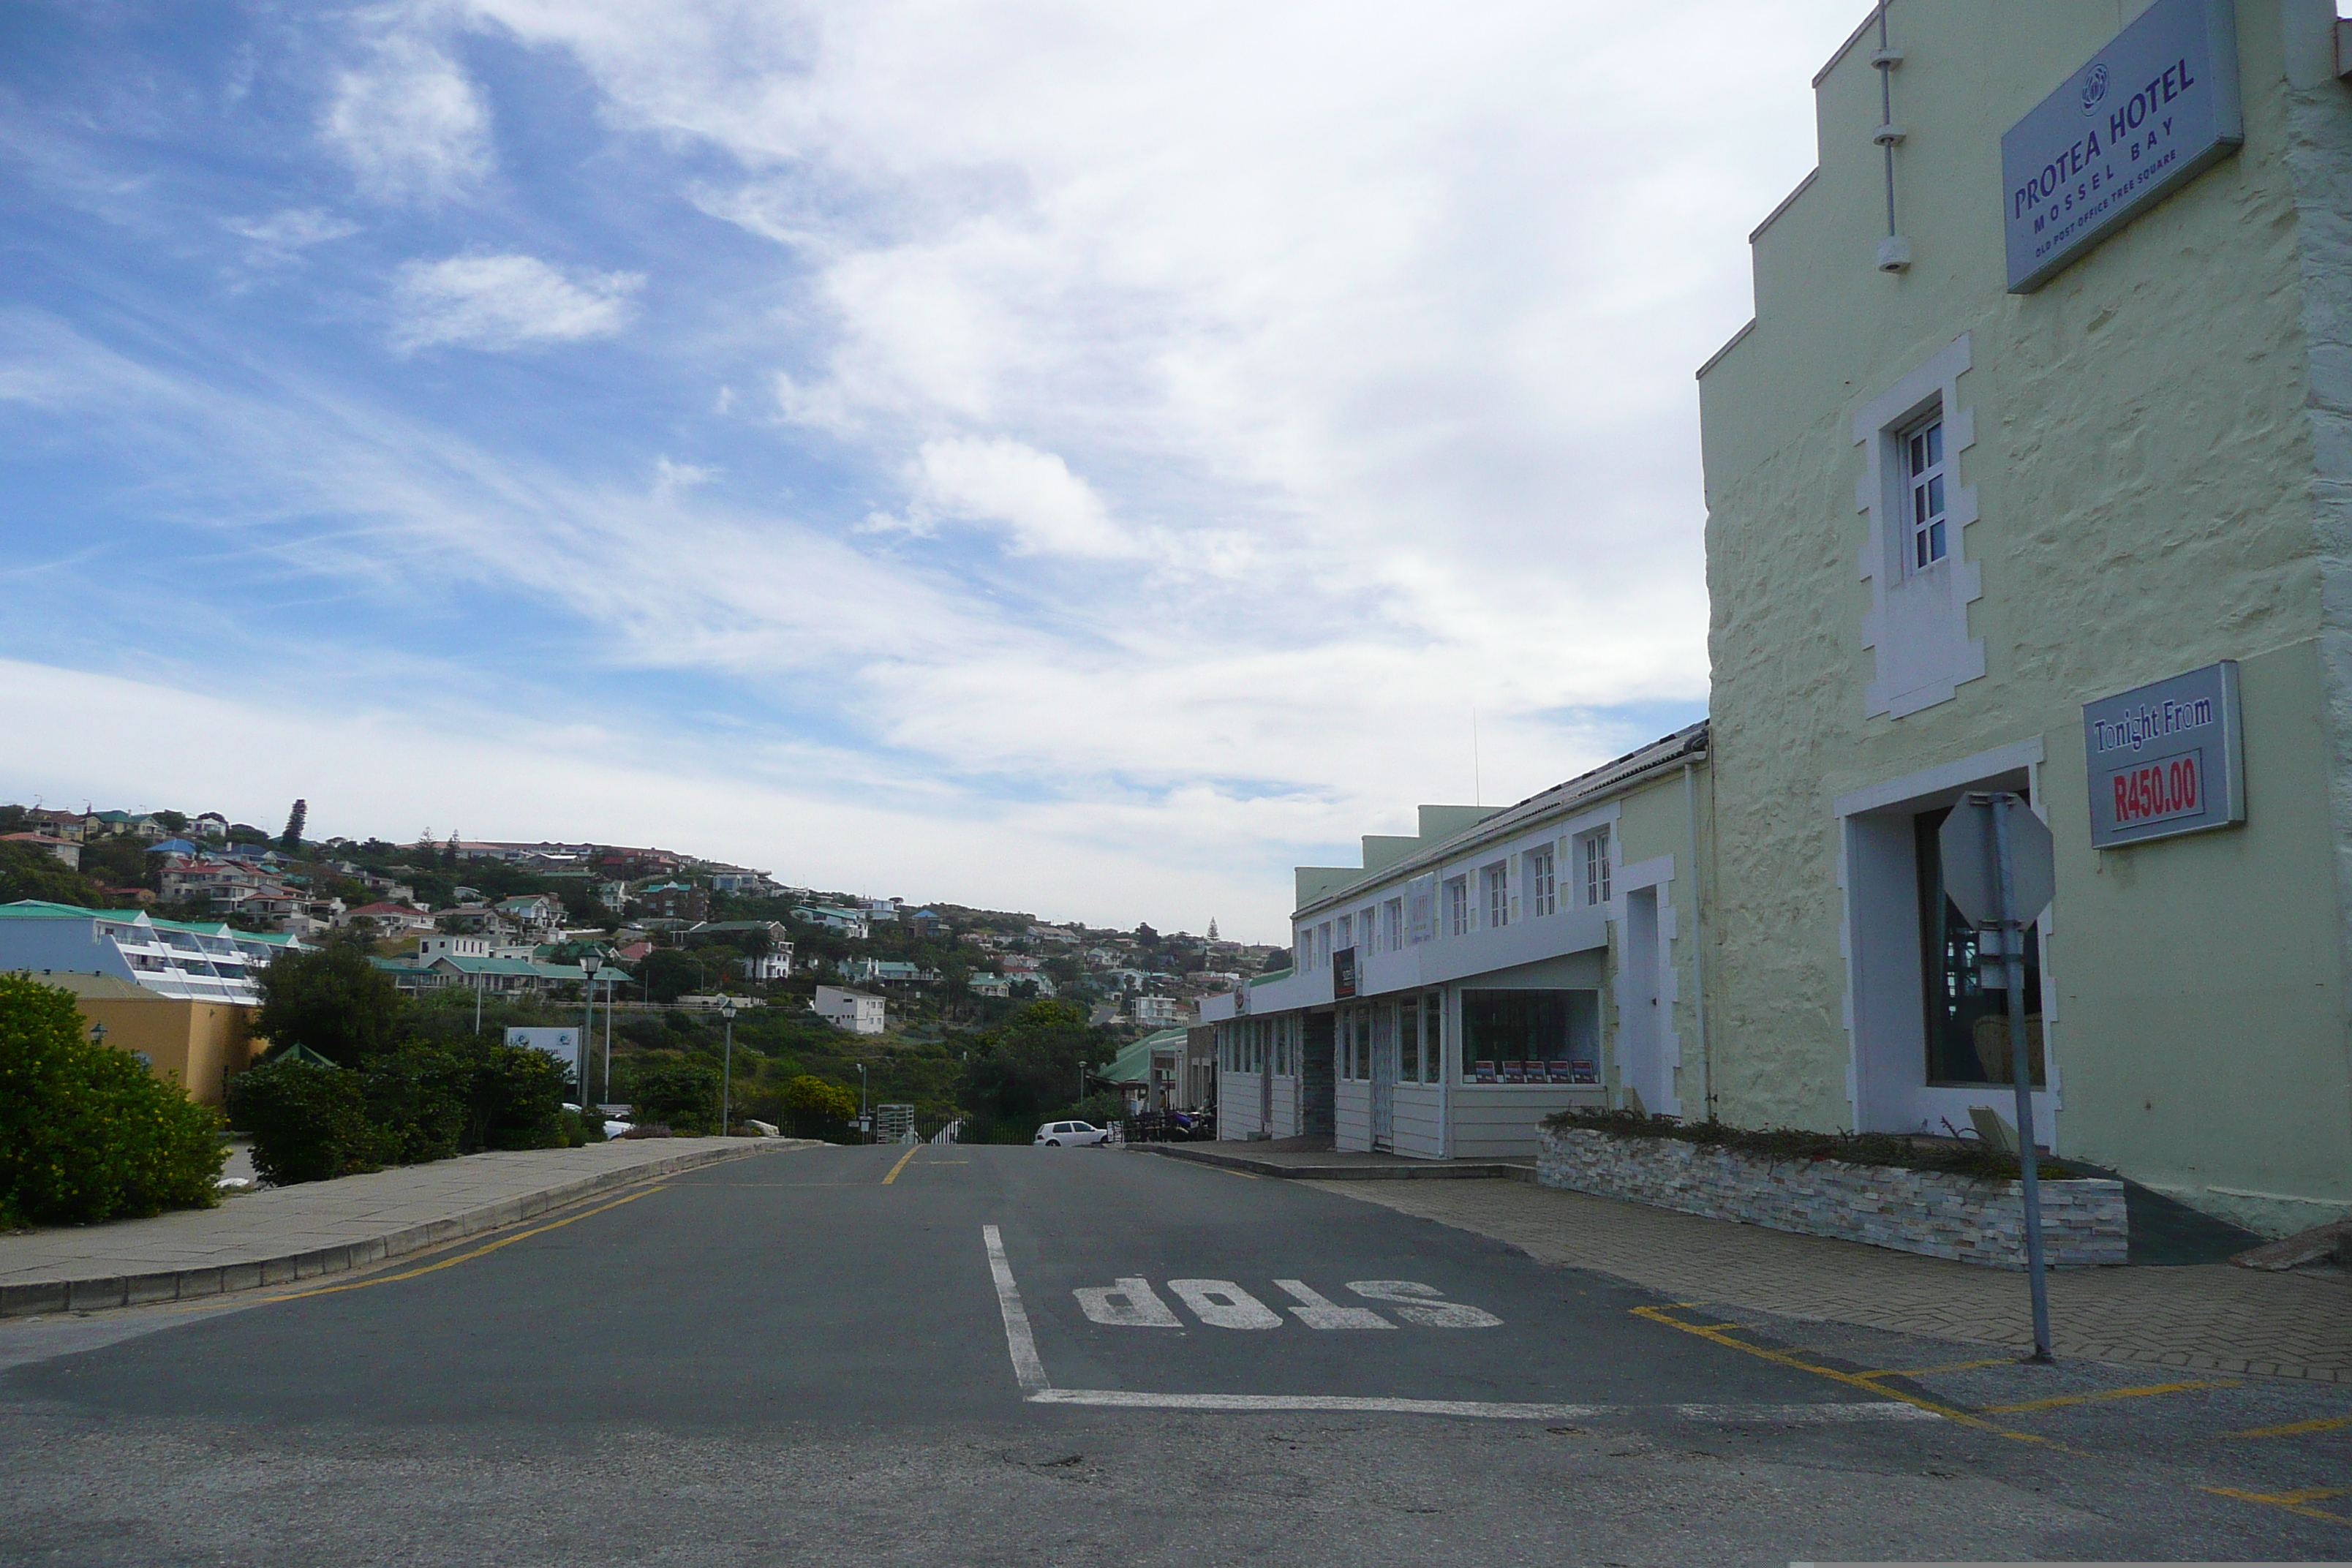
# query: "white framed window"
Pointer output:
{"type": "Point", "coordinates": [1592, 853]}
{"type": "Point", "coordinates": [1392, 924]}
{"type": "Point", "coordinates": [1365, 933]}
{"type": "Point", "coordinates": [1346, 937]}
{"type": "Point", "coordinates": [1497, 879]}
{"type": "Point", "coordinates": [1457, 906]}
{"type": "Point", "coordinates": [1421, 910]}
{"type": "Point", "coordinates": [1323, 944]}
{"type": "Point", "coordinates": [1924, 511]}
{"type": "Point", "coordinates": [1542, 895]}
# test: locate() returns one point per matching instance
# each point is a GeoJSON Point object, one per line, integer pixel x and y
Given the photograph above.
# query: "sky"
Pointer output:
{"type": "Point", "coordinates": [1084, 458]}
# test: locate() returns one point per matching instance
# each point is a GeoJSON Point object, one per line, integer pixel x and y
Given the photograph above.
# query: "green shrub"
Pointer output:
{"type": "Point", "coordinates": [86, 1132]}
{"type": "Point", "coordinates": [683, 1094]}
{"type": "Point", "coordinates": [310, 1123]}
{"type": "Point", "coordinates": [518, 1098]}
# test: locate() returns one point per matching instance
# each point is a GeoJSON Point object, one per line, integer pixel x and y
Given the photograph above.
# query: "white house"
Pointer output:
{"type": "Point", "coordinates": [182, 959]}
{"type": "Point", "coordinates": [859, 1012]}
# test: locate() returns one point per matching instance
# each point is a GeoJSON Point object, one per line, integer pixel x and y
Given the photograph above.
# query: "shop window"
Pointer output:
{"type": "Point", "coordinates": [1967, 1025]}
{"type": "Point", "coordinates": [1531, 1037]}
{"type": "Point", "coordinates": [1346, 935]}
{"type": "Point", "coordinates": [1421, 908]}
{"type": "Point", "coordinates": [1409, 1040]}
{"type": "Point", "coordinates": [1432, 1035]}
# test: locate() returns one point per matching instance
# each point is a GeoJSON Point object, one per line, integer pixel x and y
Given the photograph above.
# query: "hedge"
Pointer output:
{"type": "Point", "coordinates": [86, 1133]}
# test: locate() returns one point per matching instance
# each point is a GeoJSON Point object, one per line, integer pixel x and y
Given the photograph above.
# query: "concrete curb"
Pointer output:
{"type": "Point", "coordinates": [37, 1297]}
{"type": "Point", "coordinates": [1418, 1170]}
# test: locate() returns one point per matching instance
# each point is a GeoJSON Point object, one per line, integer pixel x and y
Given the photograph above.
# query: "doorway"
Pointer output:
{"type": "Point", "coordinates": [1641, 1046]}
{"type": "Point", "coordinates": [1384, 1075]}
{"type": "Point", "coordinates": [1318, 1076]}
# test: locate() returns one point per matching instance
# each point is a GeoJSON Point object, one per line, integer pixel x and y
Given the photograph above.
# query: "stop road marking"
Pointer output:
{"type": "Point", "coordinates": [1130, 1303]}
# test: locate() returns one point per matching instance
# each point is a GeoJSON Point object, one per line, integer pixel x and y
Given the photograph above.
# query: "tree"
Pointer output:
{"type": "Point", "coordinates": [171, 822]}
{"type": "Point", "coordinates": [668, 974]}
{"type": "Point", "coordinates": [815, 1107]}
{"type": "Point", "coordinates": [29, 871]}
{"type": "Point", "coordinates": [449, 851]}
{"type": "Point", "coordinates": [334, 1001]}
{"type": "Point", "coordinates": [682, 1095]}
{"type": "Point", "coordinates": [291, 839]}
{"type": "Point", "coordinates": [86, 1132]}
{"type": "Point", "coordinates": [1028, 1066]}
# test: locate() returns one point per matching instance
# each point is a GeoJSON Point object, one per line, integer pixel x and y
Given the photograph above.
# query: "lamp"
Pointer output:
{"type": "Point", "coordinates": [726, 1076]}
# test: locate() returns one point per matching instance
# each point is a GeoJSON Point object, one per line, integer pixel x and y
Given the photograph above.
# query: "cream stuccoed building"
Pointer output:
{"type": "Point", "coordinates": [2033, 471]}
{"type": "Point", "coordinates": [1497, 966]}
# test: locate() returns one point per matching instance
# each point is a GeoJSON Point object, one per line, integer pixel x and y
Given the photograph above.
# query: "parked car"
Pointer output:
{"type": "Point", "coordinates": [1054, 1134]}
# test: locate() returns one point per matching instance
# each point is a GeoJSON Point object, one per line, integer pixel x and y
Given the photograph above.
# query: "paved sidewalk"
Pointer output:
{"type": "Point", "coordinates": [2210, 1317]}
{"type": "Point", "coordinates": [326, 1227]}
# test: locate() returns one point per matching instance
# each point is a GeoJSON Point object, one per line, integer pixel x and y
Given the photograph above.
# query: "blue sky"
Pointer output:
{"type": "Point", "coordinates": [1084, 458]}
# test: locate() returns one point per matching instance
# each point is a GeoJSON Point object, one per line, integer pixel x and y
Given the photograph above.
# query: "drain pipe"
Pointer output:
{"type": "Point", "coordinates": [1894, 251]}
{"type": "Point", "coordinates": [1698, 950]}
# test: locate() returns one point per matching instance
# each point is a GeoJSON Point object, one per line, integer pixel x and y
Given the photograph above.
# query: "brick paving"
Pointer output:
{"type": "Point", "coordinates": [326, 1227]}
{"type": "Point", "coordinates": [2208, 1317]}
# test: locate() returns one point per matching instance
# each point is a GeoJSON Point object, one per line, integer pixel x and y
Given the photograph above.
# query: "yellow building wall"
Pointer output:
{"type": "Point", "coordinates": [196, 1045]}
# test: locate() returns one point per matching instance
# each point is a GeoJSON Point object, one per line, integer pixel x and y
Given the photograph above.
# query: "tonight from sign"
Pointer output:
{"type": "Point", "coordinates": [2166, 759]}
{"type": "Point", "coordinates": [2147, 111]}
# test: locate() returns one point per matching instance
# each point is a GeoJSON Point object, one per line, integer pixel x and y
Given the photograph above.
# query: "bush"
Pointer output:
{"type": "Point", "coordinates": [518, 1098]}
{"type": "Point", "coordinates": [1792, 1144]}
{"type": "Point", "coordinates": [309, 1122]}
{"type": "Point", "coordinates": [86, 1132]}
{"type": "Point", "coordinates": [815, 1109]}
{"type": "Point", "coordinates": [683, 1094]}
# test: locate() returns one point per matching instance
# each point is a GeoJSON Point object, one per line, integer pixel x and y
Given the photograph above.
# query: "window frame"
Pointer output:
{"type": "Point", "coordinates": [1457, 905]}
{"type": "Point", "coordinates": [1595, 865]}
{"type": "Point", "coordinates": [1923, 457]}
{"type": "Point", "coordinates": [1541, 872]}
{"type": "Point", "coordinates": [1495, 882]}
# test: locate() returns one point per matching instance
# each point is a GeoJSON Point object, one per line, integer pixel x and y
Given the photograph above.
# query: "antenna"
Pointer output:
{"type": "Point", "coordinates": [1477, 775]}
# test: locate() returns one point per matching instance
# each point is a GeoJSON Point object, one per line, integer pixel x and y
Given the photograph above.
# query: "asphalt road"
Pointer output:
{"type": "Point", "coordinates": [1006, 1355]}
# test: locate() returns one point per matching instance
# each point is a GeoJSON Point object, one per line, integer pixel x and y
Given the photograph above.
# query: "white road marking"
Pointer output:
{"type": "Point", "coordinates": [1418, 1303]}
{"type": "Point", "coordinates": [1318, 1312]}
{"type": "Point", "coordinates": [1018, 1341]}
{"type": "Point", "coordinates": [1733, 1415]}
{"type": "Point", "coordinates": [1128, 1303]}
{"type": "Point", "coordinates": [1222, 1304]}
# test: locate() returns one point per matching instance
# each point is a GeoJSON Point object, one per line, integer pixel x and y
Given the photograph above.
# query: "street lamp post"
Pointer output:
{"type": "Point", "coordinates": [727, 1076]}
{"type": "Point", "coordinates": [864, 1123]}
{"type": "Point", "coordinates": [587, 1028]}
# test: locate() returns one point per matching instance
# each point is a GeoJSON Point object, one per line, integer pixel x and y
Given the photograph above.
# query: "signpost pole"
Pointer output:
{"type": "Point", "coordinates": [2012, 943]}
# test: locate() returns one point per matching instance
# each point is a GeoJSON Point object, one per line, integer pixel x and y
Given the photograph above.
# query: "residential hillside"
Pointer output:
{"type": "Point", "coordinates": [515, 917]}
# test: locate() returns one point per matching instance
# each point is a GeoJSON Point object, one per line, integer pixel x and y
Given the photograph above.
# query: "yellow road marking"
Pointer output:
{"type": "Point", "coordinates": [1947, 1366]}
{"type": "Point", "coordinates": [1851, 1379]}
{"type": "Point", "coordinates": [2150, 1390]}
{"type": "Point", "coordinates": [2296, 1502]}
{"type": "Point", "coordinates": [901, 1164]}
{"type": "Point", "coordinates": [2294, 1428]}
{"type": "Point", "coordinates": [463, 1256]}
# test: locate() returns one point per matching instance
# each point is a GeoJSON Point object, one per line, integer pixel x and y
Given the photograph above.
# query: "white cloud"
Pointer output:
{"type": "Point", "coordinates": [508, 302]}
{"type": "Point", "coordinates": [283, 236]}
{"type": "Point", "coordinates": [409, 122]}
{"type": "Point", "coordinates": [1044, 508]}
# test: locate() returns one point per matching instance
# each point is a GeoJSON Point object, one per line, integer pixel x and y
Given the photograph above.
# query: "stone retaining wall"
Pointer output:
{"type": "Point", "coordinates": [1942, 1215]}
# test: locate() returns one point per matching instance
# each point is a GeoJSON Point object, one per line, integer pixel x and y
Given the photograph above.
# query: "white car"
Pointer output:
{"type": "Point", "coordinates": [1054, 1134]}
